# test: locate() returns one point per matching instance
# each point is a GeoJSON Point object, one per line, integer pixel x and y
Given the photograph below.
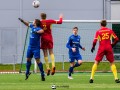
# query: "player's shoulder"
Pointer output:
{"type": "Point", "coordinates": [78, 36]}
{"type": "Point", "coordinates": [110, 30]}
{"type": "Point", "coordinates": [71, 36]}
{"type": "Point", "coordinates": [38, 28]}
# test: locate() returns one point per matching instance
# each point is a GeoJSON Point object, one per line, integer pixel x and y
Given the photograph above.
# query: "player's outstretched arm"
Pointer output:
{"type": "Point", "coordinates": [60, 19]}
{"type": "Point", "coordinates": [40, 31]}
{"type": "Point", "coordinates": [61, 16]}
{"type": "Point", "coordinates": [26, 23]}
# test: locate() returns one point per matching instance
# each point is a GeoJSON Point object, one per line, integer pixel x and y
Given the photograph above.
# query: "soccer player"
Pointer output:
{"type": "Point", "coordinates": [34, 46]}
{"type": "Point", "coordinates": [73, 45]}
{"type": "Point", "coordinates": [104, 35]}
{"type": "Point", "coordinates": [47, 41]}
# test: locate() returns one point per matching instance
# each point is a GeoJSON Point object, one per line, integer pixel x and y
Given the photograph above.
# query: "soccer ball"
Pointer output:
{"type": "Point", "coordinates": [53, 87]}
{"type": "Point", "coordinates": [36, 3]}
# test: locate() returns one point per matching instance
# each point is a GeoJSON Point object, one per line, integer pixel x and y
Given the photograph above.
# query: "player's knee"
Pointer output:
{"type": "Point", "coordinates": [37, 60]}
{"type": "Point", "coordinates": [29, 59]}
{"type": "Point", "coordinates": [80, 62]}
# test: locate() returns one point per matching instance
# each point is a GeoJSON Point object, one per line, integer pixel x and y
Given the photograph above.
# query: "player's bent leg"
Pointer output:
{"type": "Point", "coordinates": [28, 65]}
{"type": "Point", "coordinates": [40, 65]}
{"type": "Point", "coordinates": [53, 61]}
{"type": "Point", "coordinates": [78, 63]}
{"type": "Point", "coordinates": [46, 61]}
{"type": "Point", "coordinates": [53, 70]}
{"type": "Point", "coordinates": [47, 65]}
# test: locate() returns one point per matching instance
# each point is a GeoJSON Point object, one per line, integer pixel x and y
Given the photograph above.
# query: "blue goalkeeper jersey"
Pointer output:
{"type": "Point", "coordinates": [74, 42]}
{"type": "Point", "coordinates": [34, 40]}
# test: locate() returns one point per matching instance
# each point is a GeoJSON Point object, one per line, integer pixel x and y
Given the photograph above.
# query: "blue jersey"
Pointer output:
{"type": "Point", "coordinates": [74, 42]}
{"type": "Point", "coordinates": [34, 40]}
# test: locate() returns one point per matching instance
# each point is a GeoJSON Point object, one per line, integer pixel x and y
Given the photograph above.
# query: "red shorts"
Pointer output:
{"type": "Point", "coordinates": [46, 44]}
{"type": "Point", "coordinates": [105, 51]}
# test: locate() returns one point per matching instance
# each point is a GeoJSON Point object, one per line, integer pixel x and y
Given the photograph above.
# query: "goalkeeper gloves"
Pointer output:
{"type": "Point", "coordinates": [21, 19]}
{"type": "Point", "coordinates": [92, 49]}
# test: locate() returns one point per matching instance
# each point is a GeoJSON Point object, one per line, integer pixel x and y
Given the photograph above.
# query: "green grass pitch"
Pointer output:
{"type": "Point", "coordinates": [103, 81]}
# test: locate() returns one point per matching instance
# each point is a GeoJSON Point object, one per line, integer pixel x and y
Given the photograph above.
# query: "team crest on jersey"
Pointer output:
{"type": "Point", "coordinates": [78, 39]}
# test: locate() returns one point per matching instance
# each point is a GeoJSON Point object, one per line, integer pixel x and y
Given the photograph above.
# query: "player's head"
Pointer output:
{"type": "Point", "coordinates": [75, 30]}
{"type": "Point", "coordinates": [37, 22]}
{"type": "Point", "coordinates": [103, 23]}
{"type": "Point", "coordinates": [43, 15]}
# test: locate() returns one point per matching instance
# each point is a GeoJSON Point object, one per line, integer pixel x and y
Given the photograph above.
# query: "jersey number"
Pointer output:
{"type": "Point", "coordinates": [44, 27]}
{"type": "Point", "coordinates": [105, 36]}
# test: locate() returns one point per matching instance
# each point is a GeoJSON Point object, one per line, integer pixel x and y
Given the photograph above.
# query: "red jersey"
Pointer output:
{"type": "Point", "coordinates": [46, 37]}
{"type": "Point", "coordinates": [104, 35]}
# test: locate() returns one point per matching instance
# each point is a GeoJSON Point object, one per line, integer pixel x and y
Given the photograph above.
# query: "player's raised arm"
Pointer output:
{"type": "Point", "coordinates": [60, 19]}
{"type": "Point", "coordinates": [24, 22]}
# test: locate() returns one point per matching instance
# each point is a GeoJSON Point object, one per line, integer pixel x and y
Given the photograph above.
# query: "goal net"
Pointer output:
{"type": "Point", "coordinates": [61, 32]}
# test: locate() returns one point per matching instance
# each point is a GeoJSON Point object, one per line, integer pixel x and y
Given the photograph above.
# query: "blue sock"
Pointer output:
{"type": "Point", "coordinates": [70, 70]}
{"type": "Point", "coordinates": [40, 65]}
{"type": "Point", "coordinates": [28, 64]}
{"type": "Point", "coordinates": [76, 65]}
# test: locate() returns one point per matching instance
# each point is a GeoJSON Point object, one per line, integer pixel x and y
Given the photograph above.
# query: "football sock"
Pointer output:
{"type": "Point", "coordinates": [40, 65]}
{"type": "Point", "coordinates": [113, 68]}
{"type": "Point", "coordinates": [28, 64]}
{"type": "Point", "coordinates": [53, 60]}
{"type": "Point", "coordinates": [94, 68]}
{"type": "Point", "coordinates": [76, 65]}
{"type": "Point", "coordinates": [46, 62]}
{"type": "Point", "coordinates": [70, 70]}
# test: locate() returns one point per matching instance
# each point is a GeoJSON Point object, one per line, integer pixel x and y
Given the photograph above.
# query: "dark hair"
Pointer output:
{"type": "Point", "coordinates": [103, 23]}
{"type": "Point", "coordinates": [75, 28]}
{"type": "Point", "coordinates": [38, 22]}
{"type": "Point", "coordinates": [43, 15]}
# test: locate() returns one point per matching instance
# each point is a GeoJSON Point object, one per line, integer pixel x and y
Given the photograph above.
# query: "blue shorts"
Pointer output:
{"type": "Point", "coordinates": [72, 59]}
{"type": "Point", "coordinates": [33, 52]}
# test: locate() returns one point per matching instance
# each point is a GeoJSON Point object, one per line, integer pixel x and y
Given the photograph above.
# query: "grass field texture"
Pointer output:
{"type": "Point", "coordinates": [103, 81]}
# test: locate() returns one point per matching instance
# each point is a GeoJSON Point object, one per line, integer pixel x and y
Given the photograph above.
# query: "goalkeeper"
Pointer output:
{"type": "Point", "coordinates": [34, 47]}
{"type": "Point", "coordinates": [73, 45]}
